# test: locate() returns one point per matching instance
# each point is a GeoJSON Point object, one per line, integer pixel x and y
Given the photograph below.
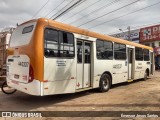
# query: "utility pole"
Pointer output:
{"type": "Point", "coordinates": [129, 33]}
{"type": "Point", "coordinates": [123, 36]}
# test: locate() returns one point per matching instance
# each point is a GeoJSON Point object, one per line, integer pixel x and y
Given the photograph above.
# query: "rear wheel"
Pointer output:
{"type": "Point", "coordinates": [105, 83]}
{"type": "Point", "coordinates": [6, 89]}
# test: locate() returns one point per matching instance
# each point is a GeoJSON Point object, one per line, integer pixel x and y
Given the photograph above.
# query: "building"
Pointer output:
{"type": "Point", "coordinates": [150, 36]}
{"type": "Point", "coordinates": [4, 41]}
{"type": "Point", "coordinates": [134, 35]}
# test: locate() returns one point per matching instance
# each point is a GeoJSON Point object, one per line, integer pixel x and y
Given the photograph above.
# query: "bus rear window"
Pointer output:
{"type": "Point", "coordinates": [27, 29]}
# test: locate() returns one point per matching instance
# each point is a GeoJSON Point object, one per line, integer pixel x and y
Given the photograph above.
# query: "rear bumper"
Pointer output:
{"type": "Point", "coordinates": [33, 88]}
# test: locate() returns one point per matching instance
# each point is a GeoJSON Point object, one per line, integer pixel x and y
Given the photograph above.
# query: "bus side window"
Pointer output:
{"type": "Point", "coordinates": [146, 55]}
{"type": "Point", "coordinates": [104, 49]}
{"type": "Point", "coordinates": [58, 43]}
{"type": "Point", "coordinates": [139, 53]}
{"type": "Point", "coordinates": [51, 43]}
{"type": "Point", "coordinates": [66, 44]}
{"type": "Point", "coordinates": [119, 51]}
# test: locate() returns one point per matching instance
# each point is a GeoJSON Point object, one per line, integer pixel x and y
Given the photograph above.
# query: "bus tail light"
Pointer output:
{"type": "Point", "coordinates": [31, 74]}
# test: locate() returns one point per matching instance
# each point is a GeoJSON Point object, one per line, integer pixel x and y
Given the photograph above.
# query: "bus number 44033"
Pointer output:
{"type": "Point", "coordinates": [23, 64]}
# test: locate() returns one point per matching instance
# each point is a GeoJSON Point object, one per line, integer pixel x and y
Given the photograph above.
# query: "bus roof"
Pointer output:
{"type": "Point", "coordinates": [77, 30]}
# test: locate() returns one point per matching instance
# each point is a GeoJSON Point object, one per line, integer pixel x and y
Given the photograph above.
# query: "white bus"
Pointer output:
{"type": "Point", "coordinates": [47, 57]}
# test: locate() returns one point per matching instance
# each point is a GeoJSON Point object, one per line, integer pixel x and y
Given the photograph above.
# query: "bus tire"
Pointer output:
{"type": "Point", "coordinates": [105, 83]}
{"type": "Point", "coordinates": [4, 85]}
{"type": "Point", "coordinates": [145, 75]}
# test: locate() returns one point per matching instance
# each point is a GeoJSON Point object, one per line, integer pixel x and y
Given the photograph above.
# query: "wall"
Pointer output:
{"type": "Point", "coordinates": [4, 41]}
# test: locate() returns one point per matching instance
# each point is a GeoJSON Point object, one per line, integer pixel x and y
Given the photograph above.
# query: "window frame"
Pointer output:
{"type": "Point", "coordinates": [103, 48]}
{"type": "Point", "coordinates": [118, 51]}
{"type": "Point", "coordinates": [64, 44]}
{"type": "Point", "coordinates": [148, 55]}
{"type": "Point", "coordinates": [59, 44]}
{"type": "Point", "coordinates": [139, 54]}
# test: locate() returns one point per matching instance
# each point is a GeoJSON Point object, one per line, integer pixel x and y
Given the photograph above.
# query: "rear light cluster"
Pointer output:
{"type": "Point", "coordinates": [31, 74]}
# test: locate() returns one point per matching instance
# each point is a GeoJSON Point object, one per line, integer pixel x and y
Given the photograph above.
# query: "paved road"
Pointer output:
{"type": "Point", "coordinates": [136, 96]}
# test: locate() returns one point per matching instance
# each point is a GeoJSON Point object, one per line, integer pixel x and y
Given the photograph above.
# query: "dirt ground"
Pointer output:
{"type": "Point", "coordinates": [136, 96]}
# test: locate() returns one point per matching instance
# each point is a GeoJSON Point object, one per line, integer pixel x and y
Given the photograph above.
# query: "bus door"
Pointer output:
{"type": "Point", "coordinates": [130, 63]}
{"type": "Point", "coordinates": [83, 64]}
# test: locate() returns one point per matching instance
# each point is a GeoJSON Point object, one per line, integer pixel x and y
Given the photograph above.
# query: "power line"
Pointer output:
{"type": "Point", "coordinates": [124, 15]}
{"type": "Point", "coordinates": [40, 9]}
{"type": "Point", "coordinates": [61, 9]}
{"type": "Point", "coordinates": [81, 10]}
{"type": "Point", "coordinates": [55, 8]}
{"type": "Point", "coordinates": [136, 27]}
{"type": "Point", "coordinates": [151, 24]}
{"type": "Point", "coordinates": [107, 5]}
{"type": "Point", "coordinates": [70, 8]}
{"type": "Point", "coordinates": [109, 13]}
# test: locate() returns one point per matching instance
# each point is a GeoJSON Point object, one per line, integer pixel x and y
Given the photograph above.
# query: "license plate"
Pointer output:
{"type": "Point", "coordinates": [15, 82]}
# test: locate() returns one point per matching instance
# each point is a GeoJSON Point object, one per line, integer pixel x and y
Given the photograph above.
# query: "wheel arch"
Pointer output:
{"type": "Point", "coordinates": [147, 70]}
{"type": "Point", "coordinates": [107, 72]}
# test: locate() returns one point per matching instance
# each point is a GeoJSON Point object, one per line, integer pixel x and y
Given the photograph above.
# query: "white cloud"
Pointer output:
{"type": "Point", "coordinates": [18, 11]}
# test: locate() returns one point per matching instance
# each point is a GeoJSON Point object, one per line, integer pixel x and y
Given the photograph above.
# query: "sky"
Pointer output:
{"type": "Point", "coordinates": [102, 16]}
